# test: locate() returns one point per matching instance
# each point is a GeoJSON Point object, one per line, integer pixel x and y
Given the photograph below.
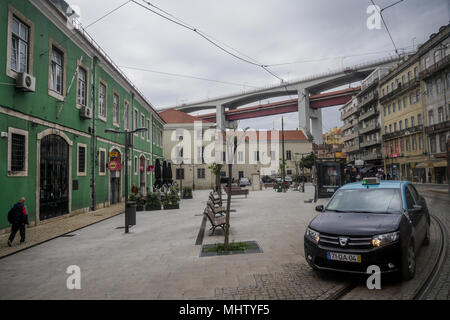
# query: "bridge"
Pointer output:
{"type": "Point", "coordinates": [323, 100]}
{"type": "Point", "coordinates": [308, 91]}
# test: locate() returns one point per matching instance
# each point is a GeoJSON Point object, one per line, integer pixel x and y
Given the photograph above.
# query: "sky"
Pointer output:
{"type": "Point", "coordinates": [320, 36]}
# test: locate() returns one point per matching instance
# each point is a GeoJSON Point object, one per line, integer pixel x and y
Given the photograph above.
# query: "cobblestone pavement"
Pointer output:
{"type": "Point", "coordinates": [57, 227]}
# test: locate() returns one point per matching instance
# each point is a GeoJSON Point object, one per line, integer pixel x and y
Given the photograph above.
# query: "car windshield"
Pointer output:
{"type": "Point", "coordinates": [367, 200]}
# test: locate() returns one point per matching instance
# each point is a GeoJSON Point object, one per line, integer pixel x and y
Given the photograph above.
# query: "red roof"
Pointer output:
{"type": "Point", "coordinates": [176, 116]}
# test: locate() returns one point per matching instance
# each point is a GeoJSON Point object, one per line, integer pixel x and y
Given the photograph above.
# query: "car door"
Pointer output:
{"type": "Point", "coordinates": [421, 213]}
{"type": "Point", "coordinates": [414, 216]}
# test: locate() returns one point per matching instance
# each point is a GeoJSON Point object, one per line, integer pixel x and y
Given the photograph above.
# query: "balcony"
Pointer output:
{"type": "Point", "coordinates": [366, 87]}
{"type": "Point", "coordinates": [369, 143]}
{"type": "Point", "coordinates": [372, 156]}
{"type": "Point", "coordinates": [372, 97]}
{"type": "Point", "coordinates": [368, 114]}
{"type": "Point", "coordinates": [404, 132]}
{"type": "Point", "coordinates": [348, 113]}
{"type": "Point", "coordinates": [350, 149]}
{"type": "Point", "coordinates": [438, 66]}
{"type": "Point", "coordinates": [350, 136]}
{"type": "Point", "coordinates": [402, 88]}
{"type": "Point", "coordinates": [438, 127]}
{"type": "Point", "coordinates": [371, 127]}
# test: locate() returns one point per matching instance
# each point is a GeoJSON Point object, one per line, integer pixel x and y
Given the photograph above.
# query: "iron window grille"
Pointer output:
{"type": "Point", "coordinates": [81, 159]}
{"type": "Point", "coordinates": [17, 152]}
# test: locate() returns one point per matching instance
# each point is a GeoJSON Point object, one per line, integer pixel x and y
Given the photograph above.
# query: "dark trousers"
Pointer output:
{"type": "Point", "coordinates": [16, 227]}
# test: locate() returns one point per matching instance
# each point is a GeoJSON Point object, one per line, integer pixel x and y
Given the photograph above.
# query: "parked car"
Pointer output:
{"type": "Point", "coordinates": [267, 179]}
{"type": "Point", "coordinates": [243, 182]}
{"type": "Point", "coordinates": [371, 222]}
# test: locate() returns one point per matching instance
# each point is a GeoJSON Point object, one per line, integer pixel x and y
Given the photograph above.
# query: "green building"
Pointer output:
{"type": "Point", "coordinates": [59, 92]}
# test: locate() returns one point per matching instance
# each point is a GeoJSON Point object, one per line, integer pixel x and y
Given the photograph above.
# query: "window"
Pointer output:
{"type": "Point", "coordinates": [82, 159]}
{"type": "Point", "coordinates": [240, 156]}
{"type": "Point", "coordinates": [400, 127]}
{"type": "Point", "coordinates": [440, 114]}
{"type": "Point", "coordinates": [135, 165]}
{"type": "Point", "coordinates": [289, 172]}
{"type": "Point", "coordinates": [437, 56]}
{"type": "Point", "coordinates": [102, 101]}
{"type": "Point", "coordinates": [82, 87]}
{"type": "Point", "coordinates": [135, 120]}
{"type": "Point", "coordinates": [17, 152]}
{"type": "Point", "coordinates": [407, 144]}
{"type": "Point", "coordinates": [406, 124]}
{"type": "Point", "coordinates": [417, 96]}
{"type": "Point", "coordinates": [57, 71]}
{"type": "Point", "coordinates": [416, 72]}
{"type": "Point", "coordinates": [403, 79]}
{"type": "Point", "coordinates": [389, 109]}
{"type": "Point", "coordinates": [256, 156]}
{"type": "Point", "coordinates": [201, 173]}
{"type": "Point", "coordinates": [409, 76]}
{"type": "Point", "coordinates": [390, 128]}
{"type": "Point", "coordinates": [126, 115]}
{"type": "Point", "coordinates": [384, 111]}
{"type": "Point", "coordinates": [405, 101]}
{"type": "Point", "coordinates": [116, 109]}
{"type": "Point", "coordinates": [148, 129]}
{"type": "Point", "coordinates": [433, 144]}
{"type": "Point", "coordinates": [419, 119]}
{"type": "Point", "coordinates": [427, 62]}
{"type": "Point", "coordinates": [395, 126]}
{"type": "Point", "coordinates": [394, 107]}
{"type": "Point", "coordinates": [414, 143]}
{"type": "Point", "coordinates": [429, 89]}
{"type": "Point", "coordinates": [385, 129]}
{"type": "Point", "coordinates": [442, 143]}
{"type": "Point", "coordinates": [430, 118]}
{"type": "Point", "coordinates": [382, 92]}
{"type": "Point", "coordinates": [399, 102]}
{"type": "Point", "coordinates": [102, 160]}
{"type": "Point", "coordinates": [420, 142]}
{"type": "Point", "coordinates": [180, 173]}
{"type": "Point", "coordinates": [288, 155]}
{"type": "Point", "coordinates": [409, 200]}
{"type": "Point", "coordinates": [20, 46]}
{"type": "Point", "coordinates": [142, 126]}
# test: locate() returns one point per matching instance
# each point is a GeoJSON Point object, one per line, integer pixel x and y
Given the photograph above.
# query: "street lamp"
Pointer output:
{"type": "Point", "coordinates": [128, 142]}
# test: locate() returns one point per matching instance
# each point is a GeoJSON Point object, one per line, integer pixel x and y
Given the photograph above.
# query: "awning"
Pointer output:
{"type": "Point", "coordinates": [432, 164]}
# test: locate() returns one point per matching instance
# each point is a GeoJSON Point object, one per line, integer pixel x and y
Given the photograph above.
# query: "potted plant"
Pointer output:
{"type": "Point", "coordinates": [187, 193]}
{"type": "Point", "coordinates": [171, 199]}
{"type": "Point", "coordinates": [153, 201]}
{"type": "Point", "coordinates": [140, 202]}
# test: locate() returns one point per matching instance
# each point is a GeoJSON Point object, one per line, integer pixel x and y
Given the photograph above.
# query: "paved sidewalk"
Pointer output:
{"type": "Point", "coordinates": [158, 259]}
{"type": "Point", "coordinates": [56, 228]}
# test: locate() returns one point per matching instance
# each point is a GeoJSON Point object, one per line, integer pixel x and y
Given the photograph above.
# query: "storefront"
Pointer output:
{"type": "Point", "coordinates": [434, 171]}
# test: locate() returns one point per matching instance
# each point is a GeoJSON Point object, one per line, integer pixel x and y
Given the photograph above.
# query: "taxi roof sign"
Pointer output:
{"type": "Point", "coordinates": [367, 181]}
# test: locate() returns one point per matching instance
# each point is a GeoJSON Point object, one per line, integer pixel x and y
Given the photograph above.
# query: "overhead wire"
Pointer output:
{"type": "Point", "coordinates": [385, 25]}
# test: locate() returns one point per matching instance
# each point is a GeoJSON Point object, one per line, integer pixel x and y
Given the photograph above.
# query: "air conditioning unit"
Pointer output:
{"type": "Point", "coordinates": [85, 113]}
{"type": "Point", "coordinates": [26, 82]}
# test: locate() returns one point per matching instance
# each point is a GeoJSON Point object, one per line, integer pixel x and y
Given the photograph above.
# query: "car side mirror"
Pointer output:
{"type": "Point", "coordinates": [417, 207]}
{"type": "Point", "coordinates": [319, 208]}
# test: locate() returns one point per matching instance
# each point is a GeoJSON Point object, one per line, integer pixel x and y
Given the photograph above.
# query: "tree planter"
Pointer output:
{"type": "Point", "coordinates": [153, 208]}
{"type": "Point", "coordinates": [171, 206]}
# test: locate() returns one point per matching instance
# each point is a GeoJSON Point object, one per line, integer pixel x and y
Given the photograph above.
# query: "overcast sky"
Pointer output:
{"type": "Point", "coordinates": [270, 32]}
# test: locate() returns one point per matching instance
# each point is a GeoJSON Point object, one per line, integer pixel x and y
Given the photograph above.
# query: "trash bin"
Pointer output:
{"type": "Point", "coordinates": [131, 212]}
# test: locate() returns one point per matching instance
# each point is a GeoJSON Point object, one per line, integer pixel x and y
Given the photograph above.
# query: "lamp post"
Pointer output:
{"type": "Point", "coordinates": [303, 170]}
{"type": "Point", "coordinates": [128, 135]}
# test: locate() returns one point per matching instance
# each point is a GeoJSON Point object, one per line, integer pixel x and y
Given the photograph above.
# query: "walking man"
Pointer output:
{"type": "Point", "coordinates": [18, 217]}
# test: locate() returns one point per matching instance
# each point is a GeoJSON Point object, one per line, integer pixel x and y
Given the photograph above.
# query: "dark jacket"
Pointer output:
{"type": "Point", "coordinates": [18, 214]}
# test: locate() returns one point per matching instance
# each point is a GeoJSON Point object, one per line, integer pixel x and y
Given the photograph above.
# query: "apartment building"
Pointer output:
{"type": "Point", "coordinates": [350, 134]}
{"type": "Point", "coordinates": [59, 92]}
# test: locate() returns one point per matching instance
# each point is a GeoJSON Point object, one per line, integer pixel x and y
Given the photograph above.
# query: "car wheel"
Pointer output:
{"type": "Point", "coordinates": [426, 240]}
{"type": "Point", "coordinates": [408, 268]}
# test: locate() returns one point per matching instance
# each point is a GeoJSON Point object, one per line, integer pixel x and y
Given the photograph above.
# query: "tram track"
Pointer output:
{"type": "Point", "coordinates": [429, 281]}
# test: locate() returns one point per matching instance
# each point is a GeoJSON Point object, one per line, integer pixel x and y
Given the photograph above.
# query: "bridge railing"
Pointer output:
{"type": "Point", "coordinates": [371, 63]}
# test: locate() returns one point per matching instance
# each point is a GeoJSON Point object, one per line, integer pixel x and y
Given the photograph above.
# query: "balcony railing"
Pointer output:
{"type": "Point", "coordinates": [348, 113]}
{"type": "Point", "coordinates": [441, 64]}
{"type": "Point", "coordinates": [404, 132]}
{"type": "Point", "coordinates": [350, 136]}
{"type": "Point", "coordinates": [371, 127]}
{"type": "Point", "coordinates": [372, 156]}
{"type": "Point", "coordinates": [370, 143]}
{"type": "Point", "coordinates": [350, 149]}
{"type": "Point", "coordinates": [400, 89]}
{"type": "Point", "coordinates": [372, 97]}
{"type": "Point", "coordinates": [437, 127]}
{"type": "Point", "coordinates": [368, 114]}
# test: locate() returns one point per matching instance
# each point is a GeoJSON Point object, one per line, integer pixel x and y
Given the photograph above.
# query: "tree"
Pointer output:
{"type": "Point", "coordinates": [215, 170]}
{"type": "Point", "coordinates": [308, 161]}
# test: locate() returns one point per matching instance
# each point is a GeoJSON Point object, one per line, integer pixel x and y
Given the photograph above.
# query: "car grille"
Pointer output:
{"type": "Point", "coordinates": [354, 242]}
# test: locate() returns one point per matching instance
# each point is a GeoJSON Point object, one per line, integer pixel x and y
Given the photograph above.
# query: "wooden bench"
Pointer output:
{"type": "Point", "coordinates": [235, 191]}
{"type": "Point", "coordinates": [216, 210]}
{"type": "Point", "coordinates": [216, 201]}
{"type": "Point", "coordinates": [216, 222]}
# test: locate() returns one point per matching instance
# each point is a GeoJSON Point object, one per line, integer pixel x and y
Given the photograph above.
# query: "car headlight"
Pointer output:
{"type": "Point", "coordinates": [384, 239]}
{"type": "Point", "coordinates": [312, 235]}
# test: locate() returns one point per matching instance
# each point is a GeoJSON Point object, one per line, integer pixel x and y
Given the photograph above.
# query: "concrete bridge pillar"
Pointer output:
{"type": "Point", "coordinates": [316, 125]}
{"type": "Point", "coordinates": [220, 117]}
{"type": "Point", "coordinates": [310, 120]}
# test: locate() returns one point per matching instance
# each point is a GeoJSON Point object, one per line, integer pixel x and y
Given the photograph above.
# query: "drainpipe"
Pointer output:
{"type": "Point", "coordinates": [131, 154]}
{"type": "Point", "coordinates": [93, 137]}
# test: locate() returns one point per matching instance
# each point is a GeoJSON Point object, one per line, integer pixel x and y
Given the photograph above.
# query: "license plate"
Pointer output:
{"type": "Point", "coordinates": [344, 257]}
